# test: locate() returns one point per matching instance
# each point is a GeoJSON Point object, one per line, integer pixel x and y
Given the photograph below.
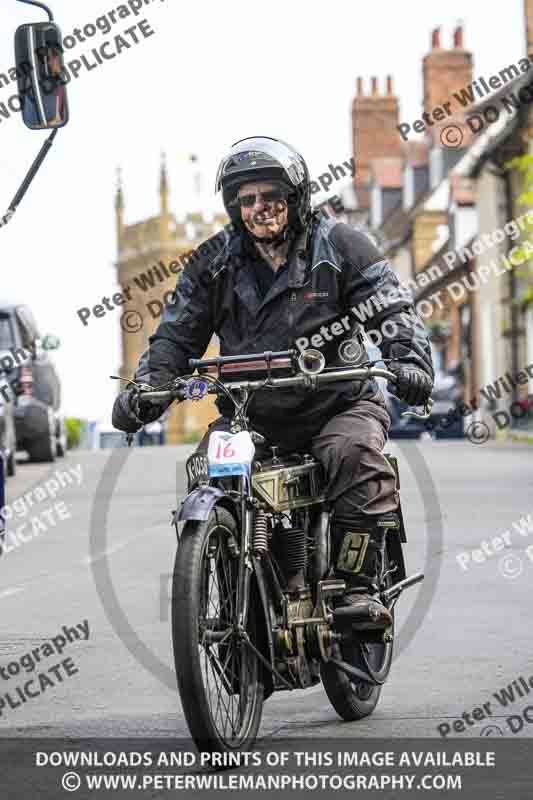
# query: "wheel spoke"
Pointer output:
{"type": "Point", "coordinates": [227, 669]}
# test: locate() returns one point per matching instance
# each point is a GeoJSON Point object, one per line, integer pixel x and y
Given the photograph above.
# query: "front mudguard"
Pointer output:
{"type": "Point", "coordinates": [199, 504]}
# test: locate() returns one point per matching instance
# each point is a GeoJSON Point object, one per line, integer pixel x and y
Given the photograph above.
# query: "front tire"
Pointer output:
{"type": "Point", "coordinates": [220, 684]}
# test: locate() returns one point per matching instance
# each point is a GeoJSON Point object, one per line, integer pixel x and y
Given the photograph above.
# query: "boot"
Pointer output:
{"type": "Point", "coordinates": [358, 547]}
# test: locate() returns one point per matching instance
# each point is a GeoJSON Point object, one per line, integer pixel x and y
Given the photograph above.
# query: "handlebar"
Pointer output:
{"type": "Point", "coordinates": [304, 380]}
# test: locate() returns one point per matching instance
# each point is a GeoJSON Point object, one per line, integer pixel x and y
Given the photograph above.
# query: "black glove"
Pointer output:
{"type": "Point", "coordinates": [414, 385]}
{"type": "Point", "coordinates": [129, 415]}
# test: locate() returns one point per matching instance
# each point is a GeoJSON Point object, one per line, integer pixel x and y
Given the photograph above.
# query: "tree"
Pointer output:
{"type": "Point", "coordinates": [73, 426]}
{"type": "Point", "coordinates": [524, 164]}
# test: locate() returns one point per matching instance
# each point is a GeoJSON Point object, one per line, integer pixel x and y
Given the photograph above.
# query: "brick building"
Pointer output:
{"type": "Point", "coordinates": [400, 194]}
{"type": "Point", "coordinates": [433, 203]}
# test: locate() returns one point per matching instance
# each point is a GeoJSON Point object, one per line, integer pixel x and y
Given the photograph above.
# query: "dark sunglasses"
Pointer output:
{"type": "Point", "coordinates": [273, 196]}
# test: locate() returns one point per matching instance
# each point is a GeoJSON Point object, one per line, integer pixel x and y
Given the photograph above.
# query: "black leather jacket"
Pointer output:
{"type": "Point", "coordinates": [332, 269]}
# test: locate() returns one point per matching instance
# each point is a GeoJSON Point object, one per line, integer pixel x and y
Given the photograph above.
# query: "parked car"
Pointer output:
{"type": "Point", "coordinates": [2, 504]}
{"type": "Point", "coordinates": [8, 439]}
{"type": "Point", "coordinates": [34, 383]}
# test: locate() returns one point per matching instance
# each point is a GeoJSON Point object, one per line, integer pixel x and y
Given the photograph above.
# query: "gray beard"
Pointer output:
{"type": "Point", "coordinates": [272, 241]}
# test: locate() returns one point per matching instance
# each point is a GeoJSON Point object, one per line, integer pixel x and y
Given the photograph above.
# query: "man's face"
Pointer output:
{"type": "Point", "coordinates": [264, 209]}
{"type": "Point", "coordinates": [54, 62]}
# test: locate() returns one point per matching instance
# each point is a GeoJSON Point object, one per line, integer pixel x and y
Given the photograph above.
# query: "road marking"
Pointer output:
{"type": "Point", "coordinates": [9, 592]}
{"type": "Point", "coordinates": [109, 552]}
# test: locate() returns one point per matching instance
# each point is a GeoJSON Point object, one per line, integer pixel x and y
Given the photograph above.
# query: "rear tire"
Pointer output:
{"type": "Point", "coordinates": [351, 699]}
{"type": "Point", "coordinates": [210, 677]}
{"type": "Point", "coordinates": [11, 465]}
{"type": "Point", "coordinates": [61, 439]}
{"type": "Point", "coordinates": [43, 449]}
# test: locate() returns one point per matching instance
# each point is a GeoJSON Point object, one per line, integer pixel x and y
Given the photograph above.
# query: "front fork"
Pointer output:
{"type": "Point", "coordinates": [242, 606]}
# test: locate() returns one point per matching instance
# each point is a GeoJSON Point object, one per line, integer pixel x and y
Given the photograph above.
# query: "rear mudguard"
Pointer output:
{"type": "Point", "coordinates": [395, 553]}
{"type": "Point", "coordinates": [395, 538]}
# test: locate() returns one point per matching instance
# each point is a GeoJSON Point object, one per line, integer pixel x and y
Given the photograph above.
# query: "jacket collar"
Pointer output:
{"type": "Point", "coordinates": [306, 252]}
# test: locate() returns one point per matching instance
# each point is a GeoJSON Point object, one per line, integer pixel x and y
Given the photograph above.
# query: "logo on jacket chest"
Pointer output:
{"type": "Point", "coordinates": [314, 295]}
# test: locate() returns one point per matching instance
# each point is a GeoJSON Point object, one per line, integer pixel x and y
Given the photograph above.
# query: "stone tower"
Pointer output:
{"type": "Point", "coordinates": [147, 265]}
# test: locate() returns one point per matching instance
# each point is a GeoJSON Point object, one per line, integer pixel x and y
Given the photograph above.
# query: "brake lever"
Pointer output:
{"type": "Point", "coordinates": [427, 411]}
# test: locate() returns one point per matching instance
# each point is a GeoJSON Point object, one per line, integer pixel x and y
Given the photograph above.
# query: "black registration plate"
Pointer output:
{"type": "Point", "coordinates": [197, 469]}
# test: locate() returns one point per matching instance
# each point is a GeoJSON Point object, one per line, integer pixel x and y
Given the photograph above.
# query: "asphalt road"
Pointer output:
{"type": "Point", "coordinates": [463, 636]}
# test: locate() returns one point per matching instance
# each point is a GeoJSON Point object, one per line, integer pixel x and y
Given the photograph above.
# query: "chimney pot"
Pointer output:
{"type": "Point", "coordinates": [435, 39]}
{"type": "Point", "coordinates": [458, 37]}
{"type": "Point", "coordinates": [374, 86]}
{"type": "Point", "coordinates": [360, 91]}
{"type": "Point", "coordinates": [389, 85]}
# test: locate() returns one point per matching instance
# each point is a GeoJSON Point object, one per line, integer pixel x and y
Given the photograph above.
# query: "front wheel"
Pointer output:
{"type": "Point", "coordinates": [219, 676]}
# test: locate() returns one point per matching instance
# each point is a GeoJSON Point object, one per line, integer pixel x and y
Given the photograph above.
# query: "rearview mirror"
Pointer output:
{"type": "Point", "coordinates": [41, 75]}
{"type": "Point", "coordinates": [50, 342]}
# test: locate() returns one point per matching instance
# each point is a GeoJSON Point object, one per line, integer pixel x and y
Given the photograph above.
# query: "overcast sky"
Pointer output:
{"type": "Point", "coordinates": [212, 73]}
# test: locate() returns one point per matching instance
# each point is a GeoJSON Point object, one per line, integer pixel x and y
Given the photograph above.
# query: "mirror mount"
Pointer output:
{"type": "Point", "coordinates": [30, 175]}
{"type": "Point", "coordinates": [39, 5]}
{"type": "Point", "coordinates": [34, 168]}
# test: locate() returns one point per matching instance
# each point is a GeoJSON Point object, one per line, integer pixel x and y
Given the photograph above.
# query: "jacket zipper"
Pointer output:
{"type": "Point", "coordinates": [292, 301]}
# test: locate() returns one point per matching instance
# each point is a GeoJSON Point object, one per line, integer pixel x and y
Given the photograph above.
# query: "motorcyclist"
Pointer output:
{"type": "Point", "coordinates": [278, 272]}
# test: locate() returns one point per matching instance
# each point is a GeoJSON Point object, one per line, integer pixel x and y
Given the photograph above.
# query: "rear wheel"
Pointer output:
{"type": "Point", "coordinates": [61, 439]}
{"type": "Point", "coordinates": [44, 448]}
{"type": "Point", "coordinates": [11, 465]}
{"type": "Point", "coordinates": [353, 699]}
{"type": "Point", "coordinates": [219, 677]}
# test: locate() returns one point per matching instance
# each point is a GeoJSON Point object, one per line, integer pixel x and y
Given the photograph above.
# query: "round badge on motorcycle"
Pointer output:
{"type": "Point", "coordinates": [196, 389]}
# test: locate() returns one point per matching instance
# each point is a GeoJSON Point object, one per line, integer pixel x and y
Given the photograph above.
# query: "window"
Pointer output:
{"type": "Point", "coordinates": [6, 333]}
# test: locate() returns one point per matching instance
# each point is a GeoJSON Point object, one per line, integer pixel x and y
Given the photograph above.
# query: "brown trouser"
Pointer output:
{"type": "Point", "coordinates": [359, 479]}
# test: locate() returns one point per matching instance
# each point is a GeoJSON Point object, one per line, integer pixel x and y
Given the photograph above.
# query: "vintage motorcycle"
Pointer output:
{"type": "Point", "coordinates": [253, 604]}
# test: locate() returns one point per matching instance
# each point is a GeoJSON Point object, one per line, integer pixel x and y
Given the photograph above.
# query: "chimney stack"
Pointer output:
{"type": "Point", "coordinates": [446, 71]}
{"type": "Point", "coordinates": [375, 135]}
{"type": "Point", "coordinates": [528, 12]}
